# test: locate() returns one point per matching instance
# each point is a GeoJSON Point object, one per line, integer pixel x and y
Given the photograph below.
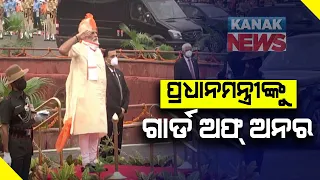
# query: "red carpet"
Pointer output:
{"type": "Point", "coordinates": [128, 171]}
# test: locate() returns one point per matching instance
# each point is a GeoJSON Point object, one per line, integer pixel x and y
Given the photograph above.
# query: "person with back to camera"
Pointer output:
{"type": "Point", "coordinates": [85, 92]}
{"type": "Point", "coordinates": [17, 116]}
{"type": "Point", "coordinates": [246, 66]}
{"type": "Point", "coordinates": [36, 15]}
{"type": "Point", "coordinates": [186, 68]}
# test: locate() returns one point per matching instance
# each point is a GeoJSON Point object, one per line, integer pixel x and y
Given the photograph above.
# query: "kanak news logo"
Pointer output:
{"type": "Point", "coordinates": [251, 34]}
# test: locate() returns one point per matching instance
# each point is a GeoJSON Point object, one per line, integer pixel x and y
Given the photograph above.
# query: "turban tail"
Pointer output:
{"type": "Point", "coordinates": [64, 135]}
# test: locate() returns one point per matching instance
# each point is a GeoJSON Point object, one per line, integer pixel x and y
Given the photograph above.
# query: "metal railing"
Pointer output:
{"type": "Point", "coordinates": [48, 120]}
{"type": "Point", "coordinates": [154, 55]}
{"type": "Point", "coordinates": [194, 146]}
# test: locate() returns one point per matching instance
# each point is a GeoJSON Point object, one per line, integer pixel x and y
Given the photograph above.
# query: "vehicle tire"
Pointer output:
{"type": "Point", "coordinates": [158, 40]}
{"type": "Point", "coordinates": [217, 42]}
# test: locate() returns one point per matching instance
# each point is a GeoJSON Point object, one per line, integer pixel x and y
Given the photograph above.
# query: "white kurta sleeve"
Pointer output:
{"type": "Point", "coordinates": [74, 52]}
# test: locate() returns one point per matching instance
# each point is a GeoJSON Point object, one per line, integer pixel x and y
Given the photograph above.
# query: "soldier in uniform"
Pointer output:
{"type": "Point", "coordinates": [1, 18]}
{"type": "Point", "coordinates": [43, 12]}
{"type": "Point", "coordinates": [17, 117]}
{"type": "Point", "coordinates": [27, 7]}
{"type": "Point", "coordinates": [51, 19]}
{"type": "Point", "coordinates": [13, 7]}
{"type": "Point", "coordinates": [6, 6]}
{"type": "Point", "coordinates": [36, 16]}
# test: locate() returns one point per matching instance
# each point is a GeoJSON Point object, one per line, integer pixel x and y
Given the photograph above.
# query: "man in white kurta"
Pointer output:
{"type": "Point", "coordinates": [86, 90]}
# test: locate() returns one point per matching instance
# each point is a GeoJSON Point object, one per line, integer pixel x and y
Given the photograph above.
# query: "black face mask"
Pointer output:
{"type": "Point", "coordinates": [20, 84]}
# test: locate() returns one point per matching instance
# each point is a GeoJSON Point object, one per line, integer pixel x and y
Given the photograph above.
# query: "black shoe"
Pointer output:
{"type": "Point", "coordinates": [90, 167]}
{"type": "Point", "coordinates": [103, 154]}
{"type": "Point", "coordinates": [93, 165]}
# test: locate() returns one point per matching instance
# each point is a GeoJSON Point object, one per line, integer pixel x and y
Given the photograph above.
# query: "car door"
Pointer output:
{"type": "Point", "coordinates": [109, 14]}
{"type": "Point", "coordinates": [194, 13]}
{"type": "Point", "coordinates": [141, 20]}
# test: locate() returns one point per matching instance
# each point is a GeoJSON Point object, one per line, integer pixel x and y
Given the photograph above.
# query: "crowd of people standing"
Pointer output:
{"type": "Point", "coordinates": [38, 16]}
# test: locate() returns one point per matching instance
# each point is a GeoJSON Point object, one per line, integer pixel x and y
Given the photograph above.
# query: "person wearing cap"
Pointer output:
{"type": "Point", "coordinates": [118, 96]}
{"type": "Point", "coordinates": [51, 15]}
{"type": "Point", "coordinates": [86, 89]}
{"type": "Point", "coordinates": [27, 18]}
{"type": "Point", "coordinates": [43, 17]}
{"type": "Point", "coordinates": [253, 150]}
{"type": "Point", "coordinates": [6, 6]}
{"type": "Point", "coordinates": [245, 66]}
{"type": "Point", "coordinates": [36, 15]}
{"type": "Point", "coordinates": [17, 116]}
{"type": "Point", "coordinates": [253, 62]}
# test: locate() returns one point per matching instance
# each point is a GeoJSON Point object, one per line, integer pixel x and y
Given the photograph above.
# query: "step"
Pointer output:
{"type": "Point", "coordinates": [165, 148]}
{"type": "Point", "coordinates": [132, 134]}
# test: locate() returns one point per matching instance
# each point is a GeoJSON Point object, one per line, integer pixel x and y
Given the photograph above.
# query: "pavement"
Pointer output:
{"type": "Point", "coordinates": [37, 42]}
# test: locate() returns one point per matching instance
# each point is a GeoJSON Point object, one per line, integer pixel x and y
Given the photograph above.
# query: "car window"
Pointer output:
{"type": "Point", "coordinates": [292, 14]}
{"type": "Point", "coordinates": [165, 9]}
{"type": "Point", "coordinates": [302, 54]}
{"type": "Point", "coordinates": [82, 6]}
{"type": "Point", "coordinates": [213, 12]}
{"type": "Point", "coordinates": [192, 12]}
{"type": "Point", "coordinates": [139, 12]}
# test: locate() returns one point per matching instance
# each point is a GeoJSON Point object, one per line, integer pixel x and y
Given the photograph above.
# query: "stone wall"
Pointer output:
{"type": "Point", "coordinates": [142, 77]}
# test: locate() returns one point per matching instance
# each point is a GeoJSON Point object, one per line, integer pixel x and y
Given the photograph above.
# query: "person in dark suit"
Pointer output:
{"type": "Point", "coordinates": [246, 66]}
{"type": "Point", "coordinates": [117, 98]}
{"type": "Point", "coordinates": [186, 68]}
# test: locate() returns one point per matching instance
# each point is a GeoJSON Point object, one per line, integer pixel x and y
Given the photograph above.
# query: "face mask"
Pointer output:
{"type": "Point", "coordinates": [20, 84]}
{"type": "Point", "coordinates": [114, 61]}
{"type": "Point", "coordinates": [188, 54]}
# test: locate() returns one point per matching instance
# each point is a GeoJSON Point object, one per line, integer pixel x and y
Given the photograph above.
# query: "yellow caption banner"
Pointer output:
{"type": "Point", "coordinates": [228, 94]}
{"type": "Point", "coordinates": [6, 173]}
{"type": "Point", "coordinates": [313, 6]}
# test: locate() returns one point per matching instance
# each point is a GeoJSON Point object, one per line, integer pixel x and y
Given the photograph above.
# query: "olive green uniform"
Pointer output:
{"type": "Point", "coordinates": [16, 111]}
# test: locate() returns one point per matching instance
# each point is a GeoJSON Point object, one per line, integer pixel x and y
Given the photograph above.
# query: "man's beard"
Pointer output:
{"type": "Point", "coordinates": [96, 41]}
{"type": "Point", "coordinates": [92, 44]}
